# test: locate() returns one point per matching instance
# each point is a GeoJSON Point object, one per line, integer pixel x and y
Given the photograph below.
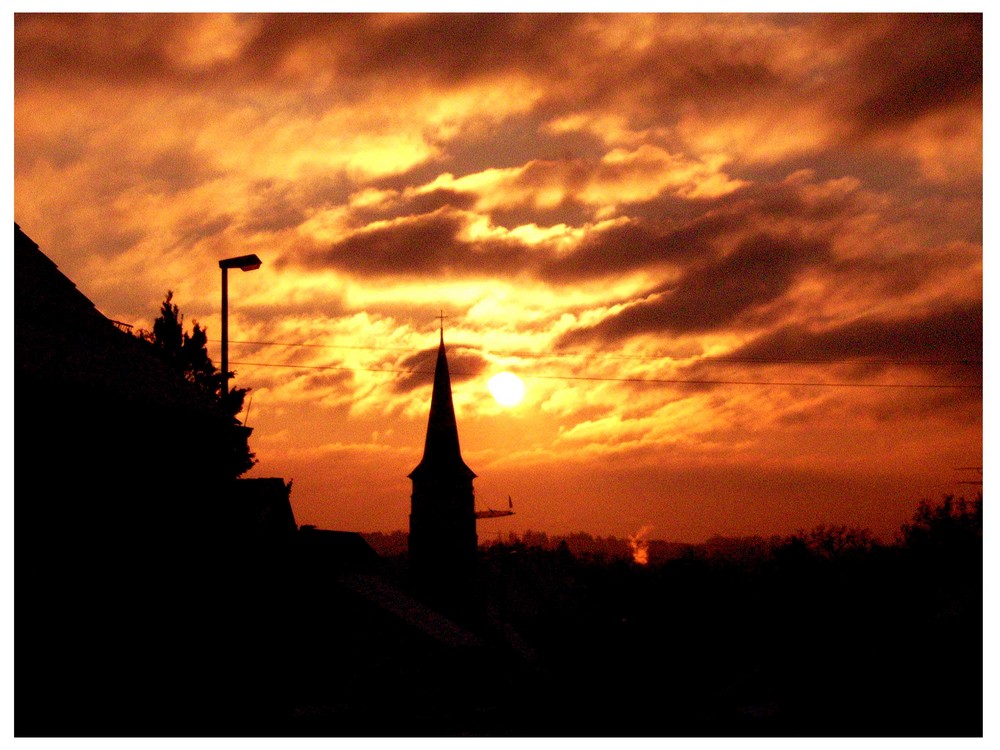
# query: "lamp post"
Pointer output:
{"type": "Point", "coordinates": [244, 263]}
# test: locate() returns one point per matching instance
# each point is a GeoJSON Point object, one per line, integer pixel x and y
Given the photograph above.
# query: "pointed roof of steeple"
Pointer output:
{"type": "Point", "coordinates": [441, 449]}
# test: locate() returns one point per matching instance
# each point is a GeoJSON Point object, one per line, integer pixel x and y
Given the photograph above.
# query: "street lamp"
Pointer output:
{"type": "Point", "coordinates": [244, 263]}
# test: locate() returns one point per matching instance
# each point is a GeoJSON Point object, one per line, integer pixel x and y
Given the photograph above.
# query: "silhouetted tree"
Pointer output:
{"type": "Point", "coordinates": [953, 523]}
{"type": "Point", "coordinates": [187, 354]}
{"type": "Point", "coordinates": [168, 330]}
{"type": "Point", "coordinates": [832, 541]}
{"type": "Point", "coordinates": [943, 546]}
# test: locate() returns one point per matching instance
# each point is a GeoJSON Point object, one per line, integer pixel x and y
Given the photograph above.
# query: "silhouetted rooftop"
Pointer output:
{"type": "Point", "coordinates": [62, 339]}
{"type": "Point", "coordinates": [335, 551]}
{"type": "Point", "coordinates": [388, 598]}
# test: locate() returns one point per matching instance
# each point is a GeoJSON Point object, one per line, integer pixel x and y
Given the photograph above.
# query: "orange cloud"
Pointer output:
{"type": "Point", "coordinates": [647, 217]}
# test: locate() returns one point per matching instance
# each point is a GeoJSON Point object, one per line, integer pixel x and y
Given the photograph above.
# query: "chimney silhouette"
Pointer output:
{"type": "Point", "coordinates": [442, 543]}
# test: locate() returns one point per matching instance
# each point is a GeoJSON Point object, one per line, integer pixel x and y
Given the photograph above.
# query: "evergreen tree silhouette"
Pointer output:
{"type": "Point", "coordinates": [187, 354]}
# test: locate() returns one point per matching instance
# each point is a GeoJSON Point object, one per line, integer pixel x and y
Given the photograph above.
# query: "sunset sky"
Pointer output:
{"type": "Point", "coordinates": [737, 260]}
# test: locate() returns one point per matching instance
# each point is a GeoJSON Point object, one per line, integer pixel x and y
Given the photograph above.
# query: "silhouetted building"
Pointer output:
{"type": "Point", "coordinates": [442, 544]}
{"type": "Point", "coordinates": [261, 508]}
{"type": "Point", "coordinates": [334, 552]}
{"type": "Point", "coordinates": [157, 595]}
{"type": "Point", "coordinates": [138, 593]}
{"type": "Point", "coordinates": [372, 659]}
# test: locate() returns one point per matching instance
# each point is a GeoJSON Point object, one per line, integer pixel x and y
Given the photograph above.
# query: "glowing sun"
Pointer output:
{"type": "Point", "coordinates": [507, 388]}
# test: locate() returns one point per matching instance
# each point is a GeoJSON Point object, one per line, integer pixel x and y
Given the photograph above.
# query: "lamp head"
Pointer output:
{"type": "Point", "coordinates": [243, 262]}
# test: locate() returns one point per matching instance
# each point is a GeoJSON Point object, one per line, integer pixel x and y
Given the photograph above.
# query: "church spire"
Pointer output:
{"type": "Point", "coordinates": [441, 447]}
{"type": "Point", "coordinates": [442, 542]}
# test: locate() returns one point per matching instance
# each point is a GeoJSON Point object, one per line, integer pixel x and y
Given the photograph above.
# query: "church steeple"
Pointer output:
{"type": "Point", "coordinates": [442, 544]}
{"type": "Point", "coordinates": [441, 448]}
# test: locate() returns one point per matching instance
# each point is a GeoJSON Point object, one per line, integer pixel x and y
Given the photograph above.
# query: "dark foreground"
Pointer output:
{"type": "Point", "coordinates": [820, 635]}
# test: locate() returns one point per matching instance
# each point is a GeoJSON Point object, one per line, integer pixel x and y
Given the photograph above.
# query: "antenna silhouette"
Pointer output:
{"type": "Point", "coordinates": [970, 468]}
{"type": "Point", "coordinates": [490, 513]}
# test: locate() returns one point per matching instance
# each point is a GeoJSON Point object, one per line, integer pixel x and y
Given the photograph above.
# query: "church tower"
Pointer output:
{"type": "Point", "coordinates": [442, 545]}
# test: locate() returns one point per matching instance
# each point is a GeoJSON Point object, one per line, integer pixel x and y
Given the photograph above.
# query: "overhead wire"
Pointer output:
{"type": "Point", "coordinates": [640, 357]}
{"type": "Point", "coordinates": [672, 381]}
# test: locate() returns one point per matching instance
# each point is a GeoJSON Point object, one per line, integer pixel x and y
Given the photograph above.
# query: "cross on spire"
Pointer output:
{"type": "Point", "coordinates": [441, 316]}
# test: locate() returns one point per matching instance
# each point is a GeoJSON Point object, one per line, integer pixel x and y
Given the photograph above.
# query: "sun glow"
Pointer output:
{"type": "Point", "coordinates": [507, 388]}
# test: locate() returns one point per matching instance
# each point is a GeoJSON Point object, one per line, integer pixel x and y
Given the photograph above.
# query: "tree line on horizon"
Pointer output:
{"type": "Point", "coordinates": [826, 632]}
{"type": "Point", "coordinates": [823, 540]}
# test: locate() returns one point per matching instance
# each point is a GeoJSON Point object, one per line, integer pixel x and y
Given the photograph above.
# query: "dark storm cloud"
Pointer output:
{"type": "Point", "coordinates": [329, 379]}
{"type": "Point", "coordinates": [426, 203]}
{"type": "Point", "coordinates": [905, 272]}
{"type": "Point", "coordinates": [36, 148]}
{"type": "Point", "coordinates": [124, 48]}
{"type": "Point", "coordinates": [421, 246]}
{"type": "Point", "coordinates": [939, 347]}
{"type": "Point", "coordinates": [463, 364]}
{"type": "Point", "coordinates": [675, 234]}
{"type": "Point", "coordinates": [714, 295]}
{"type": "Point", "coordinates": [572, 174]}
{"type": "Point", "coordinates": [915, 64]}
{"type": "Point", "coordinates": [424, 246]}
{"type": "Point", "coordinates": [162, 171]}
{"type": "Point", "coordinates": [430, 244]}
{"type": "Point", "coordinates": [671, 76]}
{"type": "Point", "coordinates": [568, 212]}
{"type": "Point", "coordinates": [951, 335]}
{"type": "Point", "coordinates": [193, 229]}
{"type": "Point", "coordinates": [453, 48]}
{"type": "Point", "coordinates": [278, 203]}
{"type": "Point", "coordinates": [627, 248]}
{"type": "Point", "coordinates": [897, 66]}
{"type": "Point", "coordinates": [448, 47]}
{"type": "Point", "coordinates": [275, 207]}
{"type": "Point", "coordinates": [783, 200]}
{"type": "Point", "coordinates": [415, 204]}
{"type": "Point", "coordinates": [172, 169]}
{"type": "Point", "coordinates": [683, 59]}
{"type": "Point", "coordinates": [957, 406]}
{"type": "Point", "coordinates": [522, 139]}
{"type": "Point", "coordinates": [673, 231]}
{"type": "Point", "coordinates": [961, 406]}
{"type": "Point", "coordinates": [114, 242]}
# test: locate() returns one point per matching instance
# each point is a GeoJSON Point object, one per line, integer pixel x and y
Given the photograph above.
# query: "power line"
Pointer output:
{"type": "Point", "coordinates": [642, 357]}
{"type": "Point", "coordinates": [672, 381]}
{"type": "Point", "coordinates": [756, 382]}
